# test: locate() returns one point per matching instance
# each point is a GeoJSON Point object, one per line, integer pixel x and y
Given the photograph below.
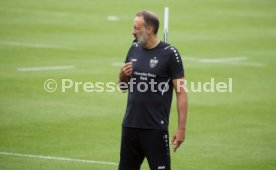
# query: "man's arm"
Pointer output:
{"type": "Point", "coordinates": [182, 104]}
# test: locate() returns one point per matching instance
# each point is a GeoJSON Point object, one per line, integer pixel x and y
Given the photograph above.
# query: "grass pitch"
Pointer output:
{"type": "Point", "coordinates": [225, 130]}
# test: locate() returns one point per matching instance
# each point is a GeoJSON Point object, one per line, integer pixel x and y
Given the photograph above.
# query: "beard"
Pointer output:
{"type": "Point", "coordinates": [142, 38]}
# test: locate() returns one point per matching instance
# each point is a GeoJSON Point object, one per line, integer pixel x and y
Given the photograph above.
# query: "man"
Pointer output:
{"type": "Point", "coordinates": [152, 63]}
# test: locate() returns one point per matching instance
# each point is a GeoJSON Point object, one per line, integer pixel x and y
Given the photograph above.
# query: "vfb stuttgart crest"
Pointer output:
{"type": "Point", "coordinates": [153, 62]}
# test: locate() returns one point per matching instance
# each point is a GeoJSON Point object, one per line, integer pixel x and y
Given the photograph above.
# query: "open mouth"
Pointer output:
{"type": "Point", "coordinates": [135, 38]}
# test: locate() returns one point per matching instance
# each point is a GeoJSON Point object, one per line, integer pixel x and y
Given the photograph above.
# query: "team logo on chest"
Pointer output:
{"type": "Point", "coordinates": [153, 62]}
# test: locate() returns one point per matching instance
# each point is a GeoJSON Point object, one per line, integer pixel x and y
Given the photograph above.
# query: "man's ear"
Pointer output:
{"type": "Point", "coordinates": [149, 29]}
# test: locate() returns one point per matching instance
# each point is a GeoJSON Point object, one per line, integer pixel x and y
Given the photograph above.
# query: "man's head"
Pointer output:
{"type": "Point", "coordinates": [145, 25]}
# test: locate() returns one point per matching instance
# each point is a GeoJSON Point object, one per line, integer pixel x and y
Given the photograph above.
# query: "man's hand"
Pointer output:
{"type": "Point", "coordinates": [126, 71]}
{"type": "Point", "coordinates": [178, 139]}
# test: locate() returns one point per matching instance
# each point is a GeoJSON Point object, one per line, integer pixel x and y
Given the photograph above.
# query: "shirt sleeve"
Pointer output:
{"type": "Point", "coordinates": [176, 69]}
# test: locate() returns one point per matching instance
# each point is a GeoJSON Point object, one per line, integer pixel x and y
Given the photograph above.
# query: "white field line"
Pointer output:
{"type": "Point", "coordinates": [255, 64]}
{"type": "Point", "coordinates": [224, 60]}
{"type": "Point", "coordinates": [45, 68]}
{"type": "Point", "coordinates": [57, 158]}
{"type": "Point", "coordinates": [33, 45]}
{"type": "Point", "coordinates": [113, 18]}
{"type": "Point", "coordinates": [231, 60]}
{"type": "Point", "coordinates": [117, 63]}
{"type": "Point", "coordinates": [216, 60]}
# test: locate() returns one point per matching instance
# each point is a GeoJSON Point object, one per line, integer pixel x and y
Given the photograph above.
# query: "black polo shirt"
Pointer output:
{"type": "Point", "coordinates": [149, 107]}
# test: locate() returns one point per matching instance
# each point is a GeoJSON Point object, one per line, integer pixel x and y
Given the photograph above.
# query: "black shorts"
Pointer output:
{"type": "Point", "coordinates": [137, 144]}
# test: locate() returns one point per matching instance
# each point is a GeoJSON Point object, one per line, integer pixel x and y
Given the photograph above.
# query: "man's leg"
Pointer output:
{"type": "Point", "coordinates": [131, 156]}
{"type": "Point", "coordinates": [155, 144]}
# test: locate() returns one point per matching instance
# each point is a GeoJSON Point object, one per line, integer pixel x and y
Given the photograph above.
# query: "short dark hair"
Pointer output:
{"type": "Point", "coordinates": [150, 20]}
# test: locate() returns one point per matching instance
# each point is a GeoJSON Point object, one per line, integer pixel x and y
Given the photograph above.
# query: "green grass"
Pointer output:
{"type": "Point", "coordinates": [225, 130]}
